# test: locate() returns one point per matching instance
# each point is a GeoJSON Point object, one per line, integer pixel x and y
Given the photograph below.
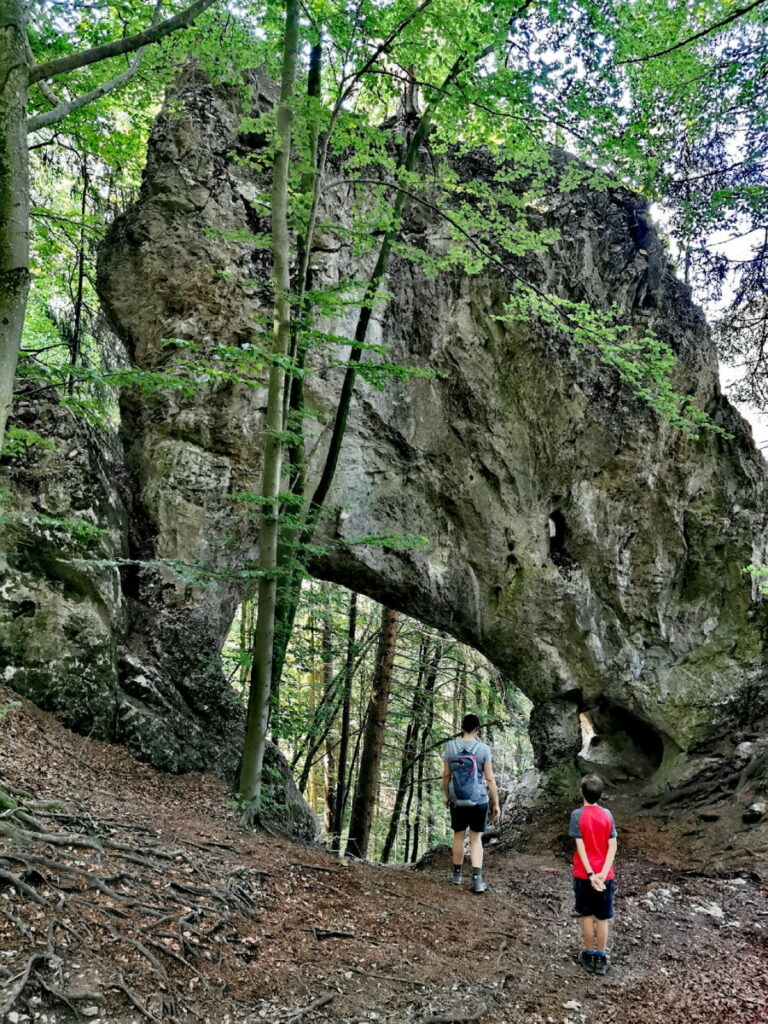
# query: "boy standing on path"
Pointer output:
{"type": "Point", "coordinates": [467, 781]}
{"type": "Point", "coordinates": [594, 830]}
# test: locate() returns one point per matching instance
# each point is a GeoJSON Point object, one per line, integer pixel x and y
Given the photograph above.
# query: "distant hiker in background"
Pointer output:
{"type": "Point", "coordinates": [594, 830]}
{"type": "Point", "coordinates": [467, 780]}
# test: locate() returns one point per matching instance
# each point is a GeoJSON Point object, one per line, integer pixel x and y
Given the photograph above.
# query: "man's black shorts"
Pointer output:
{"type": "Point", "coordinates": [590, 902]}
{"type": "Point", "coordinates": [474, 818]}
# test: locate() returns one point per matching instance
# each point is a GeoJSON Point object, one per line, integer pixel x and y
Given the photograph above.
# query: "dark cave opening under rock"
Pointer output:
{"type": "Point", "coordinates": [617, 743]}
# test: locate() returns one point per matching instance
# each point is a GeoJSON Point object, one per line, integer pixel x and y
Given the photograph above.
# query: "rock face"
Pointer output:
{"type": "Point", "coordinates": [588, 549]}
{"type": "Point", "coordinates": [61, 613]}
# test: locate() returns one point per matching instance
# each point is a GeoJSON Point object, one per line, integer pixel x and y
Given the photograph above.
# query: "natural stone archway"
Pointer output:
{"type": "Point", "coordinates": [588, 550]}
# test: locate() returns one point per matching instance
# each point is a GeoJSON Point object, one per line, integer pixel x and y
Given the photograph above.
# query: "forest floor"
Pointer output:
{"type": "Point", "coordinates": [143, 899]}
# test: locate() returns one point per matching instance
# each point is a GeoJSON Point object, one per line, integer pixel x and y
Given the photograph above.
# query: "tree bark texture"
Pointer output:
{"type": "Point", "coordinates": [370, 759]}
{"type": "Point", "coordinates": [14, 196]}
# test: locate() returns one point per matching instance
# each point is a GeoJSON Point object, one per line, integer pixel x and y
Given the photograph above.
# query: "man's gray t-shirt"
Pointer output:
{"type": "Point", "coordinates": [479, 750]}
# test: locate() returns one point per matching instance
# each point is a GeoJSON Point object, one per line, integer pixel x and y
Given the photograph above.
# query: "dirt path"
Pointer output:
{"type": "Point", "coordinates": [157, 906]}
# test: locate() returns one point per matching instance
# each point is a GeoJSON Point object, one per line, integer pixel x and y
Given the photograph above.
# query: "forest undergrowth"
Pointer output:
{"type": "Point", "coordinates": [129, 895]}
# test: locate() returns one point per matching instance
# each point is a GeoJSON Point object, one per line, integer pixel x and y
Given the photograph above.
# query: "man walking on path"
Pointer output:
{"type": "Point", "coordinates": [467, 781]}
{"type": "Point", "coordinates": [594, 830]}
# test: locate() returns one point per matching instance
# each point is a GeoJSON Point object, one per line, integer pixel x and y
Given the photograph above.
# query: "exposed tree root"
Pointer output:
{"type": "Point", "coordinates": [318, 1004]}
{"type": "Point", "coordinates": [711, 789]}
{"type": "Point", "coordinates": [51, 869]}
{"type": "Point", "coordinates": [18, 983]}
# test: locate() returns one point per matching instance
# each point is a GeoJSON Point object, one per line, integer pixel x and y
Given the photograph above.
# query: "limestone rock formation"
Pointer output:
{"type": "Point", "coordinates": [588, 549]}
{"type": "Point", "coordinates": [61, 611]}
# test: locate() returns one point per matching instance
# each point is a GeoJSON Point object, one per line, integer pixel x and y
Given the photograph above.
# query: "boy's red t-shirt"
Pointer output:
{"type": "Point", "coordinates": [595, 825]}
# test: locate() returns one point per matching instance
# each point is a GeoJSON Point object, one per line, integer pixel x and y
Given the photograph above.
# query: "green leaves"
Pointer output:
{"type": "Point", "coordinates": [643, 361]}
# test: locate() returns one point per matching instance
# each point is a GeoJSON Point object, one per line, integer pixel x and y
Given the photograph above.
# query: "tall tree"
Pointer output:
{"type": "Point", "coordinates": [263, 645]}
{"type": "Point", "coordinates": [20, 72]}
{"type": "Point", "coordinates": [409, 755]}
{"type": "Point", "coordinates": [341, 786]}
{"type": "Point", "coordinates": [367, 789]}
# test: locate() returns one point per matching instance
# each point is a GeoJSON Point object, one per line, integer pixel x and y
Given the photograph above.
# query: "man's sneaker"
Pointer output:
{"type": "Point", "coordinates": [602, 963]}
{"type": "Point", "coordinates": [587, 960]}
{"type": "Point", "coordinates": [478, 885]}
{"type": "Point", "coordinates": [456, 878]}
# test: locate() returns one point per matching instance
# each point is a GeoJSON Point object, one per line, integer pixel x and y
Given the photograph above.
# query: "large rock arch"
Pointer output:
{"type": "Point", "coordinates": [586, 548]}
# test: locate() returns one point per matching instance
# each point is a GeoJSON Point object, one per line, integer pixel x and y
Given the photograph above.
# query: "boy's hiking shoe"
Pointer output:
{"type": "Point", "coordinates": [478, 885]}
{"type": "Point", "coordinates": [587, 961]}
{"type": "Point", "coordinates": [456, 877]}
{"type": "Point", "coordinates": [602, 964]}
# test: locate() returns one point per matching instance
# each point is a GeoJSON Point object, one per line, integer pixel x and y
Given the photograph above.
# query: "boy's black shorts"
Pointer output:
{"type": "Point", "coordinates": [474, 818]}
{"type": "Point", "coordinates": [590, 902]}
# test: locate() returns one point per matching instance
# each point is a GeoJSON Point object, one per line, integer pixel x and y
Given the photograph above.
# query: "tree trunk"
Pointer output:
{"type": "Point", "coordinates": [14, 196]}
{"type": "Point", "coordinates": [370, 760]}
{"type": "Point", "coordinates": [77, 330]}
{"type": "Point", "coordinates": [261, 671]}
{"type": "Point", "coordinates": [426, 733]}
{"type": "Point", "coordinates": [329, 774]}
{"type": "Point", "coordinates": [428, 699]}
{"type": "Point", "coordinates": [407, 818]}
{"type": "Point", "coordinates": [289, 599]}
{"type": "Point", "coordinates": [408, 758]}
{"type": "Point", "coordinates": [341, 790]}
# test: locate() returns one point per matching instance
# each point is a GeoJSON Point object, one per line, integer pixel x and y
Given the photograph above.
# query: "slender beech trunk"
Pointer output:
{"type": "Point", "coordinates": [261, 671]}
{"type": "Point", "coordinates": [293, 402]}
{"type": "Point", "coordinates": [309, 776]}
{"type": "Point", "coordinates": [429, 711]}
{"type": "Point", "coordinates": [353, 767]}
{"type": "Point", "coordinates": [370, 760]}
{"type": "Point", "coordinates": [324, 718]}
{"type": "Point", "coordinates": [290, 599]}
{"type": "Point", "coordinates": [412, 737]}
{"type": "Point", "coordinates": [490, 713]}
{"type": "Point", "coordinates": [341, 771]}
{"type": "Point", "coordinates": [329, 773]}
{"type": "Point", "coordinates": [77, 331]}
{"type": "Point", "coordinates": [17, 72]}
{"type": "Point", "coordinates": [246, 639]}
{"type": "Point", "coordinates": [419, 809]}
{"type": "Point", "coordinates": [14, 196]}
{"type": "Point", "coordinates": [427, 703]}
{"type": "Point", "coordinates": [461, 695]}
{"type": "Point", "coordinates": [407, 818]}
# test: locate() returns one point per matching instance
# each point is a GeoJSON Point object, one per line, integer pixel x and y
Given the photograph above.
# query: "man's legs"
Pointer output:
{"type": "Point", "coordinates": [458, 857]}
{"type": "Point", "coordinates": [476, 859]}
{"type": "Point", "coordinates": [475, 849]}
{"type": "Point", "coordinates": [458, 848]}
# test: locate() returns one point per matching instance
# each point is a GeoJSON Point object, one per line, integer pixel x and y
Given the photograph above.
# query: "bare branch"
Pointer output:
{"type": "Point", "coordinates": [733, 16]}
{"type": "Point", "coordinates": [129, 44]}
{"type": "Point", "coordinates": [65, 107]}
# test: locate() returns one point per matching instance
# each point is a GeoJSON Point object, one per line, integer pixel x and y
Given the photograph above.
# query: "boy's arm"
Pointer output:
{"type": "Point", "coordinates": [596, 880]}
{"type": "Point", "coordinates": [493, 792]}
{"type": "Point", "coordinates": [608, 863]}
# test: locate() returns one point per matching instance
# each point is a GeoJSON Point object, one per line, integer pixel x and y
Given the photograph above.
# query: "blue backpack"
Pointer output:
{"type": "Point", "coordinates": [465, 776]}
